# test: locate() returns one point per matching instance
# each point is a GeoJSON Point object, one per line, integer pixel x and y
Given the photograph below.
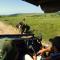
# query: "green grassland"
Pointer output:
{"type": "Point", "coordinates": [47, 24]}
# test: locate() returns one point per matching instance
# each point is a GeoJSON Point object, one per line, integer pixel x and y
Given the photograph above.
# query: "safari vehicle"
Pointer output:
{"type": "Point", "coordinates": [15, 46]}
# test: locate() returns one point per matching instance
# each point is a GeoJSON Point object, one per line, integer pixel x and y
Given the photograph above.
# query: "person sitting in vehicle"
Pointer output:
{"type": "Point", "coordinates": [55, 54]}
{"type": "Point", "coordinates": [34, 46]}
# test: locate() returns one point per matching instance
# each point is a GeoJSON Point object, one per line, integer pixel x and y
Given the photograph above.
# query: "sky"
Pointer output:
{"type": "Point", "coordinates": [17, 6]}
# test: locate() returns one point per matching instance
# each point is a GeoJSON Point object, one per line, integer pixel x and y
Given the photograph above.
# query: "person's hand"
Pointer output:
{"type": "Point", "coordinates": [41, 52]}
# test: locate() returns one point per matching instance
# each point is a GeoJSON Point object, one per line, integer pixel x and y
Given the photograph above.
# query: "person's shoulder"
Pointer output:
{"type": "Point", "coordinates": [55, 56]}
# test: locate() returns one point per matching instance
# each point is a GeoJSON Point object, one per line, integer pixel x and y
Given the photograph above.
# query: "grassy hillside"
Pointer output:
{"type": "Point", "coordinates": [47, 24]}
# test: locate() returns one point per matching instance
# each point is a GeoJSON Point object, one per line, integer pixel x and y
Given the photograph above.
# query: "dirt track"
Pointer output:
{"type": "Point", "coordinates": [7, 29]}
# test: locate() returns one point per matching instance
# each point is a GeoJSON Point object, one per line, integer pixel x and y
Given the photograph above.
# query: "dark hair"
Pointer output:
{"type": "Point", "coordinates": [21, 23]}
{"type": "Point", "coordinates": [56, 42]}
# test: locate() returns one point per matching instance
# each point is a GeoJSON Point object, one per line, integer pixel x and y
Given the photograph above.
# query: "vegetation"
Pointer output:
{"type": "Point", "coordinates": [47, 24]}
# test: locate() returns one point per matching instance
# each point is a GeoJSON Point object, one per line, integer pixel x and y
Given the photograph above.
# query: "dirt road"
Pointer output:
{"type": "Point", "coordinates": [7, 29]}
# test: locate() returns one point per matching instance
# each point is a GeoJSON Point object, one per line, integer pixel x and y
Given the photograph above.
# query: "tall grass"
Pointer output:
{"type": "Point", "coordinates": [47, 24]}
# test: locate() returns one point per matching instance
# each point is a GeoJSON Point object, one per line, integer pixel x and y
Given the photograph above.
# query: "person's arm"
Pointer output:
{"type": "Point", "coordinates": [41, 52]}
{"type": "Point", "coordinates": [34, 57]}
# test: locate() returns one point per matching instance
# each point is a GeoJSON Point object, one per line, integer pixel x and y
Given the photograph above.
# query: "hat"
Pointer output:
{"type": "Point", "coordinates": [55, 41]}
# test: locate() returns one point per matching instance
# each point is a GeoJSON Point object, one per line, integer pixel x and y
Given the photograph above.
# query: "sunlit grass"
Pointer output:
{"type": "Point", "coordinates": [47, 24]}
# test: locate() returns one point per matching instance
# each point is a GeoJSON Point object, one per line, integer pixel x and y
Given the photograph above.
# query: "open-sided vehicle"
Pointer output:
{"type": "Point", "coordinates": [16, 46]}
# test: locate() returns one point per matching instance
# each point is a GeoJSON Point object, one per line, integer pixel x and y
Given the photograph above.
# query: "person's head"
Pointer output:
{"type": "Point", "coordinates": [24, 19]}
{"type": "Point", "coordinates": [56, 43]}
{"type": "Point", "coordinates": [21, 23]}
